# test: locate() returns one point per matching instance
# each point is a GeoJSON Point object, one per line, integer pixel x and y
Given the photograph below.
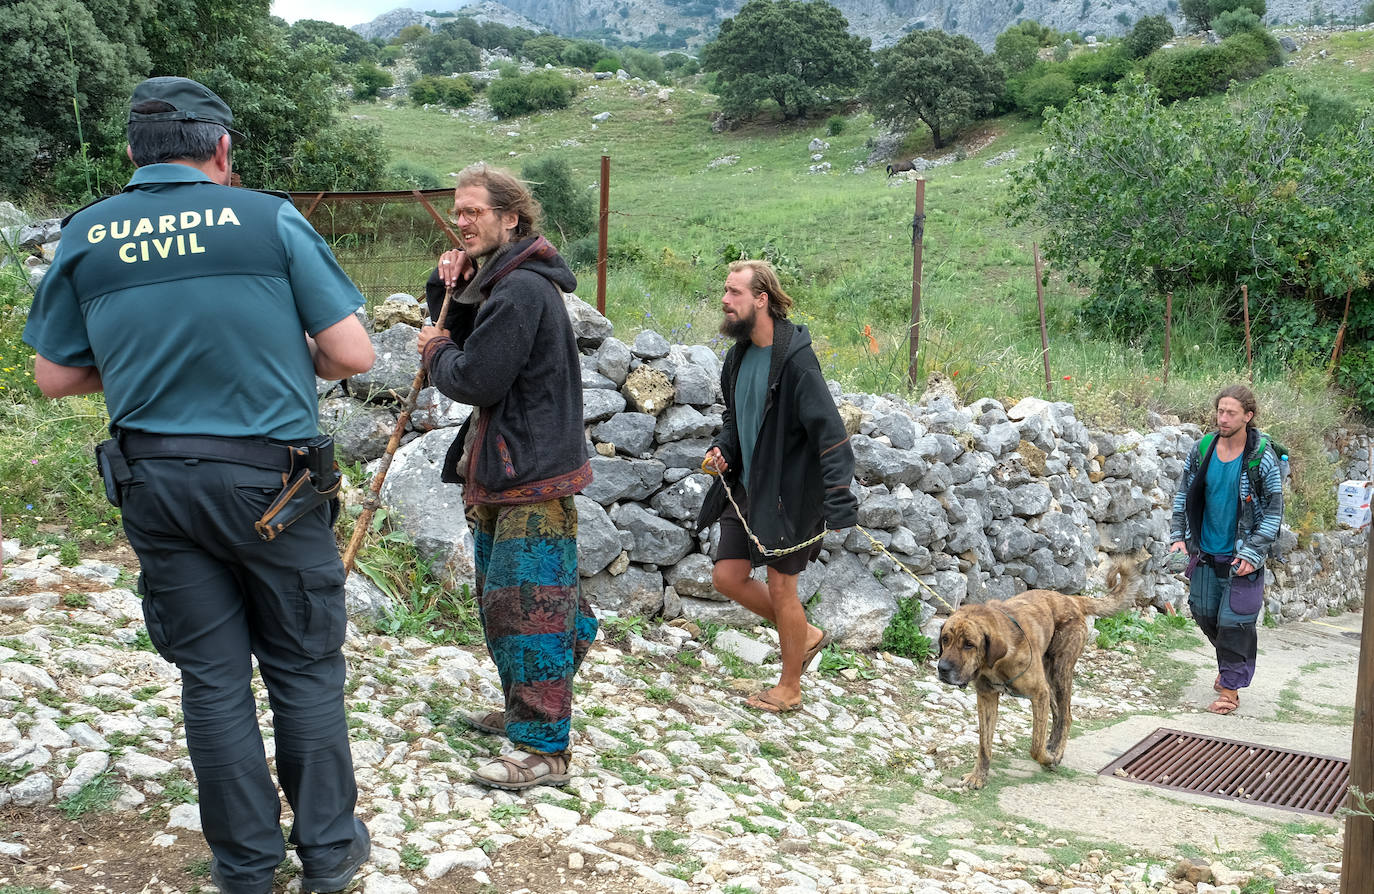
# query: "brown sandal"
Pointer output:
{"type": "Point", "coordinates": [520, 770]}
{"type": "Point", "coordinates": [767, 702]}
{"type": "Point", "coordinates": [493, 722]}
{"type": "Point", "coordinates": [1216, 686]}
{"type": "Point", "coordinates": [1227, 702]}
{"type": "Point", "coordinates": [815, 650]}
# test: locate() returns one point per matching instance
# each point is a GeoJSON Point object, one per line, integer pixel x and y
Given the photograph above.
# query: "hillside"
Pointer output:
{"type": "Point", "coordinates": [883, 21]}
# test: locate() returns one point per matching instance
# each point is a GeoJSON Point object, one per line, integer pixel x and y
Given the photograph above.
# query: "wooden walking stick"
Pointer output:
{"type": "Point", "coordinates": [373, 499]}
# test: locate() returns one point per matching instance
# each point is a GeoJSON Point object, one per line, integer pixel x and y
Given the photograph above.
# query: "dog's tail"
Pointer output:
{"type": "Point", "coordinates": [1123, 585]}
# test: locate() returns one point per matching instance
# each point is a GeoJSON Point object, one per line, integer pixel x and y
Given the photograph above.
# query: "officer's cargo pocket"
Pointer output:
{"type": "Point", "coordinates": [152, 619]}
{"type": "Point", "coordinates": [323, 618]}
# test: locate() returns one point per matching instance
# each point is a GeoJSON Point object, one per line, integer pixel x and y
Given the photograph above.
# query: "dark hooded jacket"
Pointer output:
{"type": "Point", "coordinates": [803, 464]}
{"type": "Point", "coordinates": [515, 357]}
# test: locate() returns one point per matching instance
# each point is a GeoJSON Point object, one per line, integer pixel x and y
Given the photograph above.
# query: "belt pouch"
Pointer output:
{"type": "Point", "coordinates": [299, 497]}
{"type": "Point", "coordinates": [114, 469]}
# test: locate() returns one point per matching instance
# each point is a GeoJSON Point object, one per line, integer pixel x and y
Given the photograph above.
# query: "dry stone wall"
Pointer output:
{"type": "Point", "coordinates": [969, 503]}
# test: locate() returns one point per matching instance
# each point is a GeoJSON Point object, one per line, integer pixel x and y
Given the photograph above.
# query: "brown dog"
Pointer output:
{"type": "Point", "coordinates": [1026, 646]}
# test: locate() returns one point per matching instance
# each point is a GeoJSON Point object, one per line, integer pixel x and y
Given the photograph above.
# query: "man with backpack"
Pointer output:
{"type": "Point", "coordinates": [1226, 515]}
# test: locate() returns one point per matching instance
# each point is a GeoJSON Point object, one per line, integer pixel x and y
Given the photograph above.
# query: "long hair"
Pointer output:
{"type": "Point", "coordinates": [763, 278]}
{"type": "Point", "coordinates": [1243, 396]}
{"type": "Point", "coordinates": [507, 194]}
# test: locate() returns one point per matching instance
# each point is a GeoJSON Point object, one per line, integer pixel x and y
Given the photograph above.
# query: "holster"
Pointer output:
{"type": "Point", "coordinates": [313, 479]}
{"type": "Point", "coordinates": [114, 470]}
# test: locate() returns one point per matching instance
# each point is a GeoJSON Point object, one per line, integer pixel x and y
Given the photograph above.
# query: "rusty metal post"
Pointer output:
{"type": "Point", "coordinates": [1357, 862]}
{"type": "Point", "coordinates": [601, 235]}
{"type": "Point", "coordinates": [918, 238]}
{"type": "Point", "coordinates": [439, 219]}
{"type": "Point", "coordinates": [1040, 303]}
{"type": "Point", "coordinates": [315, 203]}
{"type": "Point", "coordinates": [1168, 331]}
{"type": "Point", "coordinates": [1249, 350]}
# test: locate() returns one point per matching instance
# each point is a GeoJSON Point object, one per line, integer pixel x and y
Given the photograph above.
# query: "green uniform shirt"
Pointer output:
{"type": "Point", "coordinates": [191, 299]}
{"type": "Point", "coordinates": [751, 392]}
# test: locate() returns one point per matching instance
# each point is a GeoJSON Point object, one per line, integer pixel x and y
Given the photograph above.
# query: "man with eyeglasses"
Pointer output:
{"type": "Point", "coordinates": [507, 348]}
{"type": "Point", "coordinates": [204, 314]}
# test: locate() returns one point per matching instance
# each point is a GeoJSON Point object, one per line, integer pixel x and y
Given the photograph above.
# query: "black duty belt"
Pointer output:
{"type": "Point", "coordinates": [244, 451]}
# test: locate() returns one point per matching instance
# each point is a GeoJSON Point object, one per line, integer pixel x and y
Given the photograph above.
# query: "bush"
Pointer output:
{"type": "Point", "coordinates": [344, 156]}
{"type": "Point", "coordinates": [581, 54]}
{"type": "Point", "coordinates": [1051, 90]}
{"type": "Point", "coordinates": [835, 125]}
{"type": "Point", "coordinates": [607, 63]}
{"type": "Point", "coordinates": [1325, 111]}
{"type": "Point", "coordinates": [568, 209]}
{"type": "Point", "coordinates": [1367, 13]}
{"type": "Point", "coordinates": [368, 79]}
{"type": "Point", "coordinates": [1100, 69]}
{"type": "Point", "coordinates": [1149, 34]}
{"type": "Point", "coordinates": [522, 94]}
{"type": "Point", "coordinates": [1236, 21]}
{"type": "Point", "coordinates": [409, 175]}
{"type": "Point", "coordinates": [456, 93]}
{"type": "Point", "coordinates": [440, 54]}
{"type": "Point", "coordinates": [1199, 71]}
{"type": "Point", "coordinates": [643, 65]}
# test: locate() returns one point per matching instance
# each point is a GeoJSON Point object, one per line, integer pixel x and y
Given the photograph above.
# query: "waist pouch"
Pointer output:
{"type": "Point", "coordinates": [310, 476]}
{"type": "Point", "coordinates": [1220, 564]}
{"type": "Point", "coordinates": [114, 470]}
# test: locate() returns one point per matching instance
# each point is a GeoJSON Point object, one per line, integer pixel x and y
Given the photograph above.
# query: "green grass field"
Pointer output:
{"type": "Point", "coordinates": [842, 241]}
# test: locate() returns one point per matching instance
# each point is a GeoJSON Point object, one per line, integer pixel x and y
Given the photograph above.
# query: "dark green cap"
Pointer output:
{"type": "Point", "coordinates": [190, 100]}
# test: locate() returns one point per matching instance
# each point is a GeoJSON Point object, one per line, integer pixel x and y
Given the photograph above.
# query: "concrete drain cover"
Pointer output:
{"type": "Point", "coordinates": [1235, 771]}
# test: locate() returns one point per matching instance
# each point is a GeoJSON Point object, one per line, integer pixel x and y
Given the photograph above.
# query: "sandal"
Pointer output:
{"type": "Point", "coordinates": [493, 722]}
{"type": "Point", "coordinates": [1227, 701]}
{"type": "Point", "coordinates": [521, 769]}
{"type": "Point", "coordinates": [771, 704]}
{"type": "Point", "coordinates": [1216, 685]}
{"type": "Point", "coordinates": [815, 650]}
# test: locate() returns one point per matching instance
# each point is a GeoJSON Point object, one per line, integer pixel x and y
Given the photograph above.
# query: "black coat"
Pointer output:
{"type": "Point", "coordinates": [803, 465]}
{"type": "Point", "coordinates": [514, 356]}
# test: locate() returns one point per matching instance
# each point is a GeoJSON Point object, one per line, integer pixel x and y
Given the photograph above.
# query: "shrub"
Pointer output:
{"type": "Point", "coordinates": [835, 125]}
{"type": "Point", "coordinates": [409, 175]}
{"type": "Point", "coordinates": [1367, 13]}
{"type": "Point", "coordinates": [1325, 111]}
{"type": "Point", "coordinates": [1100, 69]}
{"type": "Point", "coordinates": [440, 54]}
{"type": "Point", "coordinates": [1052, 90]}
{"type": "Point", "coordinates": [641, 64]}
{"type": "Point", "coordinates": [1236, 21]}
{"type": "Point", "coordinates": [368, 79]}
{"type": "Point", "coordinates": [1199, 71]}
{"type": "Point", "coordinates": [568, 209]}
{"type": "Point", "coordinates": [1149, 34]}
{"type": "Point", "coordinates": [607, 63]}
{"type": "Point", "coordinates": [522, 94]}
{"type": "Point", "coordinates": [456, 93]}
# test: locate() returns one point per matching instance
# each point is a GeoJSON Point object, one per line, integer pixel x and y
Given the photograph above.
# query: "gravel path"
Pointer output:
{"type": "Point", "coordinates": [679, 788]}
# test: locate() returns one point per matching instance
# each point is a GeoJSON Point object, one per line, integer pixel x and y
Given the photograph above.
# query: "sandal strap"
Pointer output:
{"type": "Point", "coordinates": [522, 770]}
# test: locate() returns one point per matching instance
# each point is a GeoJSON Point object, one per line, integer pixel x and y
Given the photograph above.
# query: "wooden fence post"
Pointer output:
{"type": "Point", "coordinates": [1040, 302]}
{"type": "Point", "coordinates": [1168, 331]}
{"type": "Point", "coordinates": [918, 237]}
{"type": "Point", "coordinates": [1357, 862]}
{"type": "Point", "coordinates": [601, 235]}
{"type": "Point", "coordinates": [1249, 349]}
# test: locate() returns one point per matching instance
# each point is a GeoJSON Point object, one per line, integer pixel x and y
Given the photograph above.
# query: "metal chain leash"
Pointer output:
{"type": "Point", "coordinates": [875, 545]}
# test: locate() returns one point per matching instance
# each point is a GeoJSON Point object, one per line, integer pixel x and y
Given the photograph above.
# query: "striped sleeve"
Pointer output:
{"type": "Point", "coordinates": [1268, 512]}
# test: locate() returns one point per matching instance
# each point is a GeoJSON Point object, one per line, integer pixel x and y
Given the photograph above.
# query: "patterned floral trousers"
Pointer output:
{"type": "Point", "coordinates": [537, 623]}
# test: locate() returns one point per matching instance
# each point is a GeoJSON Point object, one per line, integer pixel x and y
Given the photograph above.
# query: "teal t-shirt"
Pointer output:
{"type": "Point", "coordinates": [1221, 506]}
{"type": "Point", "coordinates": [751, 391]}
{"type": "Point", "coordinates": [192, 299]}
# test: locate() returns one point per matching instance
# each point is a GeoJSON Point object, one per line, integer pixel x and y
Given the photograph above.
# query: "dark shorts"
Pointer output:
{"type": "Point", "coordinates": [734, 543]}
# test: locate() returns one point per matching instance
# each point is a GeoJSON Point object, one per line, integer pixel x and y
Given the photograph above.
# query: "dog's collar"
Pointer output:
{"type": "Point", "coordinates": [1014, 623]}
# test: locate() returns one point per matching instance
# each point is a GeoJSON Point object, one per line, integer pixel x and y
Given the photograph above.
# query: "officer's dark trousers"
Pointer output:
{"type": "Point", "coordinates": [214, 593]}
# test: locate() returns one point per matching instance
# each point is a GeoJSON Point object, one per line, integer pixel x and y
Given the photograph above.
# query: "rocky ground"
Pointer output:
{"type": "Point", "coordinates": [679, 788]}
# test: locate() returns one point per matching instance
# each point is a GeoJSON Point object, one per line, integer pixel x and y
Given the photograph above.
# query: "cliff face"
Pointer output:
{"type": "Point", "coordinates": [883, 21]}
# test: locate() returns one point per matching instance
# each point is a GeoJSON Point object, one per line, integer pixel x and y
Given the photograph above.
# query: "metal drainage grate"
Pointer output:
{"type": "Point", "coordinates": [1235, 771]}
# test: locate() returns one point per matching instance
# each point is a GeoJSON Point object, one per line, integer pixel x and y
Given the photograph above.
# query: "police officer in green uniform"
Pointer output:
{"type": "Point", "coordinates": [204, 313]}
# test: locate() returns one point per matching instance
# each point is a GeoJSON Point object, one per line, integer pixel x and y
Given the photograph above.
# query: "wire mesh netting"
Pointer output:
{"type": "Point", "coordinates": [387, 242]}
